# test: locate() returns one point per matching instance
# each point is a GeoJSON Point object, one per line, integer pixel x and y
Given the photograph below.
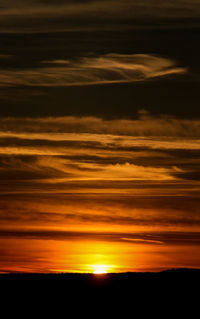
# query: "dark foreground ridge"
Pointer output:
{"type": "Point", "coordinates": [138, 290]}
{"type": "Point", "coordinates": [106, 279]}
{"type": "Point", "coordinates": [74, 282]}
{"type": "Point", "coordinates": [180, 276]}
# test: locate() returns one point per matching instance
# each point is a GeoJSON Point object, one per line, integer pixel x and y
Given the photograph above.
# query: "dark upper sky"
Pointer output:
{"type": "Point", "coordinates": [40, 40]}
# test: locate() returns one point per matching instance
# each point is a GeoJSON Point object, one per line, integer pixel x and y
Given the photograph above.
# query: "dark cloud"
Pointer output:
{"type": "Point", "coordinates": [170, 238]}
{"type": "Point", "coordinates": [99, 209]}
{"type": "Point", "coordinates": [145, 125]}
{"type": "Point", "coordinates": [193, 175]}
{"type": "Point", "coordinates": [60, 15]}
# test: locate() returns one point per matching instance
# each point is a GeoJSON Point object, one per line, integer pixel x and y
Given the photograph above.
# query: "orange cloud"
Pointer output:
{"type": "Point", "coordinates": [109, 68]}
{"type": "Point", "coordinates": [145, 125]}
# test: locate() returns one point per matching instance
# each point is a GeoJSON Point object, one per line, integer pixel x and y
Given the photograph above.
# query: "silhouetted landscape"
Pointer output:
{"type": "Point", "coordinates": [137, 293]}
{"type": "Point", "coordinates": [176, 279]}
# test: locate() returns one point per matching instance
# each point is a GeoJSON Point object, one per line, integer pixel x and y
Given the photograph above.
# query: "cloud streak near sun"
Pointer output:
{"type": "Point", "coordinates": [105, 69]}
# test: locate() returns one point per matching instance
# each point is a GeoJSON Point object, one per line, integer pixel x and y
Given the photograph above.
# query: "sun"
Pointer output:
{"type": "Point", "coordinates": [100, 269]}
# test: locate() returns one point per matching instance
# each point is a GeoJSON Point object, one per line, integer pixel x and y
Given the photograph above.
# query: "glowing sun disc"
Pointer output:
{"type": "Point", "coordinates": [99, 270]}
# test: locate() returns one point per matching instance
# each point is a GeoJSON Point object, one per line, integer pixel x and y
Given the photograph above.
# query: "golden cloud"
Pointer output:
{"type": "Point", "coordinates": [105, 69]}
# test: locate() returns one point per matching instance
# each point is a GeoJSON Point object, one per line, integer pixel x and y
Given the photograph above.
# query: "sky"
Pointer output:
{"type": "Point", "coordinates": [99, 135]}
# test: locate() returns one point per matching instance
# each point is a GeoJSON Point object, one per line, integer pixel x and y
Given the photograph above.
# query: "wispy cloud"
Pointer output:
{"type": "Point", "coordinates": [105, 69]}
{"type": "Point", "coordinates": [105, 131]}
{"type": "Point", "coordinates": [5, 56]}
{"type": "Point", "coordinates": [170, 238]}
{"type": "Point", "coordinates": [146, 241]}
{"type": "Point", "coordinates": [131, 172]}
{"type": "Point", "coordinates": [41, 15]}
{"type": "Point", "coordinates": [89, 148]}
{"type": "Point", "coordinates": [110, 8]}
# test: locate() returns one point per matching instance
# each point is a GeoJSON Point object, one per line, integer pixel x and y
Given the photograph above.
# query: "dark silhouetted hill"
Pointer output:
{"type": "Point", "coordinates": [141, 292]}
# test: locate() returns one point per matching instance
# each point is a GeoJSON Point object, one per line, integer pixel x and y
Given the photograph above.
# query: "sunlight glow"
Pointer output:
{"type": "Point", "coordinates": [100, 269]}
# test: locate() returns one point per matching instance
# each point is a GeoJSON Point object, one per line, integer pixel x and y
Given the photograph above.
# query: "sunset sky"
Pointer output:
{"type": "Point", "coordinates": [99, 135]}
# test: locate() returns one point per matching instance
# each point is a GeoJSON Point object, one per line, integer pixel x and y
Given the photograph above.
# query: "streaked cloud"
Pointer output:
{"type": "Point", "coordinates": [105, 131]}
{"type": "Point", "coordinates": [125, 212]}
{"type": "Point", "coordinates": [60, 15]}
{"type": "Point", "coordinates": [131, 173]}
{"type": "Point", "coordinates": [71, 7]}
{"type": "Point", "coordinates": [169, 238]}
{"type": "Point", "coordinates": [5, 56]}
{"type": "Point", "coordinates": [93, 149]}
{"type": "Point", "coordinates": [105, 69]}
{"type": "Point", "coordinates": [146, 241]}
